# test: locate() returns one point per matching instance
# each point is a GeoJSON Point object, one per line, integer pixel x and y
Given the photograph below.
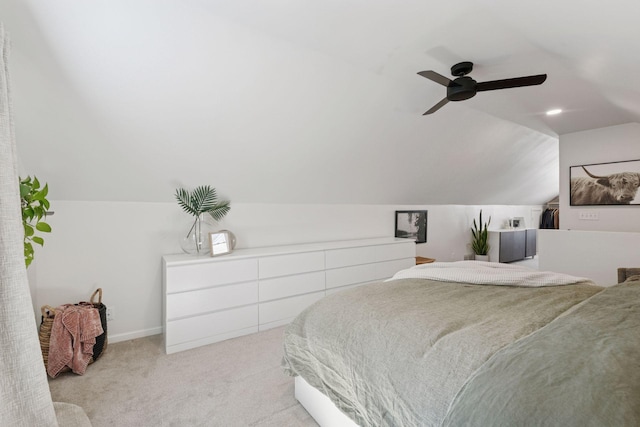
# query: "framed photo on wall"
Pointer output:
{"type": "Point", "coordinates": [412, 225]}
{"type": "Point", "coordinates": [598, 184]}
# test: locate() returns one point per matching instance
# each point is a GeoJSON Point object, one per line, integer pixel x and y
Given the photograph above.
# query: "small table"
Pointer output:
{"type": "Point", "coordinates": [423, 260]}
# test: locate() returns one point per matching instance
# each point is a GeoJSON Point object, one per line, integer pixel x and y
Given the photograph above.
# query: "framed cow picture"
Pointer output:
{"type": "Point", "coordinates": [598, 184]}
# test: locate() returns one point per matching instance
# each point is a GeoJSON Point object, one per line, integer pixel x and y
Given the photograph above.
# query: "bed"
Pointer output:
{"type": "Point", "coordinates": [470, 343]}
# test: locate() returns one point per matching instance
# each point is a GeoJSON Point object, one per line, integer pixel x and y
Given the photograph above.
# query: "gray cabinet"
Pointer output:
{"type": "Point", "coordinates": [512, 245]}
{"type": "Point", "coordinates": [530, 247]}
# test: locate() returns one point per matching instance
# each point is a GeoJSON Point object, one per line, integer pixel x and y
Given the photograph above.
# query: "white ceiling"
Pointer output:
{"type": "Point", "coordinates": [590, 50]}
{"type": "Point", "coordinates": [312, 101]}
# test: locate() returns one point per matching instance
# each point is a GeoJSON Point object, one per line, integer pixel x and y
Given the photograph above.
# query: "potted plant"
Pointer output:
{"type": "Point", "coordinates": [201, 201]}
{"type": "Point", "coordinates": [479, 241]}
{"type": "Point", "coordinates": [34, 204]}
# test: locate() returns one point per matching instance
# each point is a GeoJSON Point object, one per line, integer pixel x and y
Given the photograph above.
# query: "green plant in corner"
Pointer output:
{"type": "Point", "coordinates": [479, 242]}
{"type": "Point", "coordinates": [202, 200]}
{"type": "Point", "coordinates": [34, 203]}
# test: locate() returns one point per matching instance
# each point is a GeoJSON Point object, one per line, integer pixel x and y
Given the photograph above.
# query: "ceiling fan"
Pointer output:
{"type": "Point", "coordinates": [464, 87]}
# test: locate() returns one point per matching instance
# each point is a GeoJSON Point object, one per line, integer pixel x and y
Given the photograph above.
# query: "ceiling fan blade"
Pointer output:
{"type": "Point", "coordinates": [510, 83]}
{"type": "Point", "coordinates": [436, 107]}
{"type": "Point", "coordinates": [438, 78]}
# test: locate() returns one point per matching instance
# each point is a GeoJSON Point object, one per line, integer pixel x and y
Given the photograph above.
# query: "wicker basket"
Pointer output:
{"type": "Point", "coordinates": [46, 324]}
{"type": "Point", "coordinates": [48, 314]}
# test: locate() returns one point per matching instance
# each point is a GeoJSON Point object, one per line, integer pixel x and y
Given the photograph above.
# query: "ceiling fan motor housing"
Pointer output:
{"type": "Point", "coordinates": [462, 69]}
{"type": "Point", "coordinates": [463, 88]}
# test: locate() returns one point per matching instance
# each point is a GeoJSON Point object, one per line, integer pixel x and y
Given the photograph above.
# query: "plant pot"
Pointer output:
{"type": "Point", "coordinates": [482, 258]}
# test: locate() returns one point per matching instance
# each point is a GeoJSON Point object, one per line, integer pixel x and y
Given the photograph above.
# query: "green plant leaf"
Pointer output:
{"type": "Point", "coordinates": [24, 189]}
{"type": "Point", "coordinates": [34, 206]}
{"type": "Point", "coordinates": [479, 242]}
{"type": "Point", "coordinates": [28, 213]}
{"type": "Point", "coordinates": [44, 227]}
{"type": "Point", "coordinates": [184, 200]}
{"type": "Point", "coordinates": [220, 210]}
{"type": "Point", "coordinates": [203, 199]}
{"type": "Point", "coordinates": [39, 196]}
{"type": "Point", "coordinates": [28, 258]}
{"type": "Point", "coordinates": [38, 212]}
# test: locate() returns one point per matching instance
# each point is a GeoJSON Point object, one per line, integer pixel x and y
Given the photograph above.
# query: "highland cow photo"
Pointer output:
{"type": "Point", "coordinates": [613, 183]}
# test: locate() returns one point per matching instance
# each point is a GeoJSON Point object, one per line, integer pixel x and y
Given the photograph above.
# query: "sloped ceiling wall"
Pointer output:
{"type": "Point", "coordinates": [127, 100]}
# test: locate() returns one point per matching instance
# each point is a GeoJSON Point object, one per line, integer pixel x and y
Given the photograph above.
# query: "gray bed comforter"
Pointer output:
{"type": "Point", "coordinates": [582, 369]}
{"type": "Point", "coordinates": [416, 352]}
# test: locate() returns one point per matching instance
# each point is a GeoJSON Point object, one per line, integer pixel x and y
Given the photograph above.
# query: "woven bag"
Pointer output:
{"type": "Point", "coordinates": [46, 324]}
{"type": "Point", "coordinates": [101, 340]}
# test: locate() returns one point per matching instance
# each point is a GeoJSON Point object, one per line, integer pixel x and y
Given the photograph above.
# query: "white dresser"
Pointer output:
{"type": "Point", "coordinates": [209, 299]}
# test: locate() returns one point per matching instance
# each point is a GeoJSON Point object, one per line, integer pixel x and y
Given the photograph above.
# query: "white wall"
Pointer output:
{"type": "Point", "coordinates": [593, 249]}
{"type": "Point", "coordinates": [604, 145]}
{"type": "Point", "coordinates": [593, 254]}
{"type": "Point", "coordinates": [118, 246]}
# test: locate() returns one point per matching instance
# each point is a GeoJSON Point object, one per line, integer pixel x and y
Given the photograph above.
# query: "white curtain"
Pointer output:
{"type": "Point", "coordinates": [25, 399]}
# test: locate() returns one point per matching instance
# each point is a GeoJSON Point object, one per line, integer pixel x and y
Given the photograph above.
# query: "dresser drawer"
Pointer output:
{"type": "Point", "coordinates": [286, 265]}
{"type": "Point", "coordinates": [210, 325]}
{"type": "Point", "coordinates": [189, 277]}
{"type": "Point", "coordinates": [385, 270]}
{"type": "Point", "coordinates": [281, 287]}
{"type": "Point", "coordinates": [287, 308]}
{"type": "Point", "coordinates": [396, 251]}
{"type": "Point", "coordinates": [352, 275]}
{"type": "Point", "coordinates": [211, 299]}
{"type": "Point", "coordinates": [351, 256]}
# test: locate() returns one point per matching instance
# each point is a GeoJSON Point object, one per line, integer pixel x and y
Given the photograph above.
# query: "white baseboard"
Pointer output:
{"type": "Point", "coordinates": [133, 335]}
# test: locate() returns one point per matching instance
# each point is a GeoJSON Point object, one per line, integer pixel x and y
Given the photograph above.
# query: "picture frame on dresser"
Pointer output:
{"type": "Point", "coordinates": [220, 243]}
{"type": "Point", "coordinates": [411, 225]}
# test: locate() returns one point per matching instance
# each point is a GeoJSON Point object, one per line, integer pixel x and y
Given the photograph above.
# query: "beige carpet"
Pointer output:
{"type": "Point", "coordinates": [237, 382]}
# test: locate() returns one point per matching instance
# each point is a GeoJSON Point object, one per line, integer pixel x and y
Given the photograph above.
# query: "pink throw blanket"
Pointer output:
{"type": "Point", "coordinates": [73, 334]}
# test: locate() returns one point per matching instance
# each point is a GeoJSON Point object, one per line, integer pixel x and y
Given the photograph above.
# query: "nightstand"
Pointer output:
{"type": "Point", "coordinates": [423, 260]}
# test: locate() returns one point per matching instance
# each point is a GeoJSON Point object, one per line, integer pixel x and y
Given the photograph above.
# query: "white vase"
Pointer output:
{"type": "Point", "coordinates": [482, 258]}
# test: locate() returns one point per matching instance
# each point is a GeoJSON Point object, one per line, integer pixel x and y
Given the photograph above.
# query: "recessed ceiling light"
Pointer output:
{"type": "Point", "coordinates": [554, 112]}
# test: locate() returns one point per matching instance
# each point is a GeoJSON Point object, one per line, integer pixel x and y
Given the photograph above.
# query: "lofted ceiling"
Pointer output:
{"type": "Point", "coordinates": [304, 101]}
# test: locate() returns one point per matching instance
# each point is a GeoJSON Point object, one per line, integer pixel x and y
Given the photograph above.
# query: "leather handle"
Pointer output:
{"type": "Point", "coordinates": [93, 295]}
